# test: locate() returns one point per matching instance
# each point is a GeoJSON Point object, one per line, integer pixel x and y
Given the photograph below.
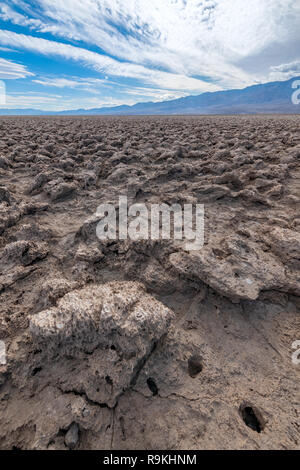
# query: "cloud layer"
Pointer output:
{"type": "Point", "coordinates": [12, 71]}
{"type": "Point", "coordinates": [176, 46]}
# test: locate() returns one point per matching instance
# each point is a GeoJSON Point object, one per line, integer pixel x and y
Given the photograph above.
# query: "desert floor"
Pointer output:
{"type": "Point", "coordinates": [141, 344]}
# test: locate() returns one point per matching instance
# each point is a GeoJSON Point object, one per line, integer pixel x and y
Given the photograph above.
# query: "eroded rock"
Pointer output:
{"type": "Point", "coordinates": [117, 323]}
{"type": "Point", "coordinates": [72, 436]}
{"type": "Point", "coordinates": [92, 350]}
{"type": "Point", "coordinates": [59, 189]}
{"type": "Point", "coordinates": [241, 271]}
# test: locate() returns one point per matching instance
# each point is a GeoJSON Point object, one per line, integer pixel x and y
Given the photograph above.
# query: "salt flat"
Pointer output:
{"type": "Point", "coordinates": [142, 344]}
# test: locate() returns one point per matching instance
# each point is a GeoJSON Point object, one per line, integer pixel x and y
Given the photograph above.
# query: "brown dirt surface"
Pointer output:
{"type": "Point", "coordinates": [142, 344]}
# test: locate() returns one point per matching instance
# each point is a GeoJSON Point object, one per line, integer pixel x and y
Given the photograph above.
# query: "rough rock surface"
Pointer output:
{"type": "Point", "coordinates": [72, 436]}
{"type": "Point", "coordinates": [142, 344]}
{"type": "Point", "coordinates": [117, 324]}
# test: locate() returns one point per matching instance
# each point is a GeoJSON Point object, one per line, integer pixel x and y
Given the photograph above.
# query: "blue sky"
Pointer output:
{"type": "Point", "coordinates": [69, 54]}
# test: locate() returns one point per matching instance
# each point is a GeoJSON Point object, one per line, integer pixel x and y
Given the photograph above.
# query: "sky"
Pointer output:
{"type": "Point", "coordinates": [69, 54]}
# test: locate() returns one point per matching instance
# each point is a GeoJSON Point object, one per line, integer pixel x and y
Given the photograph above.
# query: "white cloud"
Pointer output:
{"type": "Point", "coordinates": [219, 39]}
{"type": "Point", "coordinates": [7, 49]}
{"type": "Point", "coordinates": [8, 14]}
{"type": "Point", "coordinates": [285, 71]}
{"type": "Point", "coordinates": [155, 94]}
{"type": "Point", "coordinates": [21, 101]}
{"type": "Point", "coordinates": [53, 102]}
{"type": "Point", "coordinates": [10, 70]}
{"type": "Point", "coordinates": [69, 82]}
{"type": "Point", "coordinates": [172, 47]}
{"type": "Point", "coordinates": [105, 64]}
{"type": "Point", "coordinates": [98, 86]}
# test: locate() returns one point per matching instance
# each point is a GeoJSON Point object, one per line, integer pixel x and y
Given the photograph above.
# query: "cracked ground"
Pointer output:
{"type": "Point", "coordinates": [143, 345]}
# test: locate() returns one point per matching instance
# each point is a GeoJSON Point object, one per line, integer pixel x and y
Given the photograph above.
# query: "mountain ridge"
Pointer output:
{"type": "Point", "coordinates": [267, 98]}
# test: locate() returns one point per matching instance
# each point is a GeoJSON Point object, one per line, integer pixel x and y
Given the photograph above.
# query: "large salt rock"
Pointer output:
{"type": "Point", "coordinates": [5, 196]}
{"type": "Point", "coordinates": [109, 331]}
{"type": "Point", "coordinates": [285, 243]}
{"type": "Point", "coordinates": [58, 189]}
{"type": "Point", "coordinates": [238, 270]}
{"type": "Point", "coordinates": [4, 163]}
{"type": "Point", "coordinates": [17, 260]}
{"type": "Point", "coordinates": [23, 253]}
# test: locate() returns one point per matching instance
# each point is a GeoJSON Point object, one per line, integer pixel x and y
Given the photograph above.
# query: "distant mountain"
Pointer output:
{"type": "Point", "coordinates": [268, 98]}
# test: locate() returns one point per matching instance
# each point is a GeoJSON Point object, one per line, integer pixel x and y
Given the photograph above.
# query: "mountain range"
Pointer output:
{"type": "Point", "coordinates": [268, 98]}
